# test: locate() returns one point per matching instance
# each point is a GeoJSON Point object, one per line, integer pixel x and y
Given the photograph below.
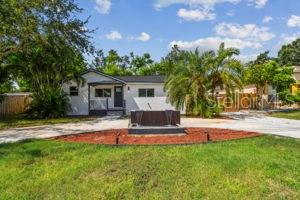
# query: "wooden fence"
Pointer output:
{"type": "Point", "coordinates": [13, 104]}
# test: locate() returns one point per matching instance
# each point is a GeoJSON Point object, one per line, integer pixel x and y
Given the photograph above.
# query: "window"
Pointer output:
{"type": "Point", "coordinates": [146, 92]}
{"type": "Point", "coordinates": [103, 92]}
{"type": "Point", "coordinates": [73, 91]}
{"type": "Point", "coordinates": [150, 92]}
{"type": "Point", "coordinates": [142, 92]}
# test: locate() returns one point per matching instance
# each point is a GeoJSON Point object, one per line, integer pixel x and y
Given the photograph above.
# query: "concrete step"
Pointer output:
{"type": "Point", "coordinates": [114, 113]}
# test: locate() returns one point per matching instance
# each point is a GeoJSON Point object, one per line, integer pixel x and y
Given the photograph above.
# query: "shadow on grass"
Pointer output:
{"type": "Point", "coordinates": [18, 143]}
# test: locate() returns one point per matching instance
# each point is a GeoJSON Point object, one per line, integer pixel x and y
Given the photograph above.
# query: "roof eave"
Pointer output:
{"type": "Point", "coordinates": [103, 74]}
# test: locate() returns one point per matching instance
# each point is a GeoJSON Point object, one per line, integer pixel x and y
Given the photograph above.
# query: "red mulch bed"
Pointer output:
{"type": "Point", "coordinates": [192, 136]}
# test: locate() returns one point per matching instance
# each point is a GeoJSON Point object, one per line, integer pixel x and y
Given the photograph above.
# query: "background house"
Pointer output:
{"type": "Point", "coordinates": [295, 88]}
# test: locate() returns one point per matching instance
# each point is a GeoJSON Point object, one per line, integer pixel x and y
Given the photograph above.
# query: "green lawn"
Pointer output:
{"type": "Point", "coordinates": [265, 167]}
{"type": "Point", "coordinates": [22, 121]}
{"type": "Point", "coordinates": [288, 115]}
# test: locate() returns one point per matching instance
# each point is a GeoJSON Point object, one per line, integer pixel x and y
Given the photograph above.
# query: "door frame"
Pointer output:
{"type": "Point", "coordinates": [122, 96]}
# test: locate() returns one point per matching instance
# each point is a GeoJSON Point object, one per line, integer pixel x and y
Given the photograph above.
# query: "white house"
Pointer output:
{"type": "Point", "coordinates": [103, 94]}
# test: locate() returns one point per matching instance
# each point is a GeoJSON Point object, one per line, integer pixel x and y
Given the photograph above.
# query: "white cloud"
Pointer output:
{"type": "Point", "coordinates": [289, 38]}
{"type": "Point", "coordinates": [198, 9]}
{"type": "Point", "coordinates": [258, 3]}
{"type": "Point", "coordinates": [267, 19]}
{"type": "Point", "coordinates": [142, 37]}
{"type": "Point", "coordinates": [208, 4]}
{"type": "Point", "coordinates": [248, 31]}
{"type": "Point", "coordinates": [103, 6]}
{"type": "Point", "coordinates": [247, 57]}
{"type": "Point", "coordinates": [212, 43]}
{"type": "Point", "coordinates": [286, 39]}
{"type": "Point", "coordinates": [196, 15]}
{"type": "Point", "coordinates": [114, 35]}
{"type": "Point", "coordinates": [294, 21]}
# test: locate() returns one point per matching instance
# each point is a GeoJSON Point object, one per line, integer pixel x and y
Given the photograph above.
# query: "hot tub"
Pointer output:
{"type": "Point", "coordinates": [155, 118]}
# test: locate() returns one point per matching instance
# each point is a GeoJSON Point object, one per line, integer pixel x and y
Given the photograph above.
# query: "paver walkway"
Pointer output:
{"type": "Point", "coordinates": [240, 121]}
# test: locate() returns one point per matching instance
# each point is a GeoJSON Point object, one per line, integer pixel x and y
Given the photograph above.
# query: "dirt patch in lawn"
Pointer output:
{"type": "Point", "coordinates": [191, 136]}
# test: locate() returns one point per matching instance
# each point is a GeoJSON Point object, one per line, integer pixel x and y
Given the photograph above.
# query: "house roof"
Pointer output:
{"type": "Point", "coordinates": [103, 74]}
{"type": "Point", "coordinates": [143, 79]}
{"type": "Point", "coordinates": [106, 82]}
{"type": "Point", "coordinates": [129, 79]}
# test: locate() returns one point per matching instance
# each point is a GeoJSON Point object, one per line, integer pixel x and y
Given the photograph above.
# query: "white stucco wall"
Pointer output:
{"type": "Point", "coordinates": [131, 91]}
{"type": "Point", "coordinates": [134, 102]}
{"type": "Point", "coordinates": [79, 104]}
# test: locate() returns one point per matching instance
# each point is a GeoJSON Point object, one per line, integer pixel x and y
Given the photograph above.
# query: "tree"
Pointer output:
{"type": "Point", "coordinates": [153, 69]}
{"type": "Point", "coordinates": [289, 55]}
{"type": "Point", "coordinates": [168, 63]}
{"type": "Point", "coordinates": [43, 41]}
{"type": "Point", "coordinates": [188, 84]}
{"type": "Point", "coordinates": [140, 63]}
{"type": "Point", "coordinates": [259, 74]}
{"type": "Point", "coordinates": [264, 72]}
{"type": "Point", "coordinates": [98, 61]}
{"type": "Point", "coordinates": [112, 64]}
{"type": "Point", "coordinates": [192, 78]}
{"type": "Point", "coordinates": [226, 71]}
{"type": "Point", "coordinates": [6, 84]}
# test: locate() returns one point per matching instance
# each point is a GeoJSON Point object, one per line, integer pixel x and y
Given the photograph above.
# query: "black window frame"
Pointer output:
{"type": "Point", "coordinates": [147, 92]}
{"type": "Point", "coordinates": [73, 91]}
{"type": "Point", "coordinates": [144, 94]}
{"type": "Point", "coordinates": [103, 92]}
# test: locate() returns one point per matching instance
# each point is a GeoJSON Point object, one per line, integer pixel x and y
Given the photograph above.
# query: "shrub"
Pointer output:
{"type": "Point", "coordinates": [288, 98]}
{"type": "Point", "coordinates": [49, 103]}
{"type": "Point", "coordinates": [296, 98]}
{"type": "Point", "coordinates": [206, 109]}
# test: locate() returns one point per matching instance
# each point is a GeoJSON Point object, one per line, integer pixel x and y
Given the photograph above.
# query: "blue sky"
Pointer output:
{"type": "Point", "coordinates": [154, 26]}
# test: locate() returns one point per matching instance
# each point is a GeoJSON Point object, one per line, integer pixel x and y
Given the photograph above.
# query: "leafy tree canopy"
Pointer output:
{"type": "Point", "coordinates": [131, 64]}
{"type": "Point", "coordinates": [289, 55]}
{"type": "Point", "coordinates": [42, 40]}
{"type": "Point", "coordinates": [42, 44]}
{"type": "Point", "coordinates": [226, 71]}
{"type": "Point", "coordinates": [264, 72]}
{"type": "Point", "coordinates": [192, 78]}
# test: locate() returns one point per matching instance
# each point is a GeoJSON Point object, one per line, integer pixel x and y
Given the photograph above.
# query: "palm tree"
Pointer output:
{"type": "Point", "coordinates": [194, 77]}
{"type": "Point", "coordinates": [226, 71]}
{"type": "Point", "coordinates": [188, 83]}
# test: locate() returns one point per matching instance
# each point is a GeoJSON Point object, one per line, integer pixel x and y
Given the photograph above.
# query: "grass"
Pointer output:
{"type": "Point", "coordinates": [22, 121]}
{"type": "Point", "coordinates": [295, 114]}
{"type": "Point", "coordinates": [266, 167]}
